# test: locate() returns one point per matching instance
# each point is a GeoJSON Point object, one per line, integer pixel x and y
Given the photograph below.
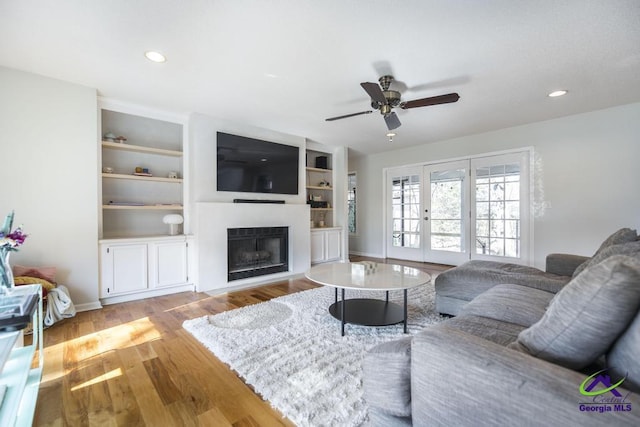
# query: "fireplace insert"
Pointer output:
{"type": "Point", "coordinates": [256, 251]}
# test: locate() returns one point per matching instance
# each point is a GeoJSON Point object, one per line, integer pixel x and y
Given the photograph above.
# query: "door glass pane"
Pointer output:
{"type": "Point", "coordinates": [498, 210]}
{"type": "Point", "coordinates": [405, 210]}
{"type": "Point", "coordinates": [446, 210]}
{"type": "Point", "coordinates": [351, 202]}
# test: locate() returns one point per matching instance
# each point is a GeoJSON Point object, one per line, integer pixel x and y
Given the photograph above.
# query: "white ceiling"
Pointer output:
{"type": "Point", "coordinates": [286, 65]}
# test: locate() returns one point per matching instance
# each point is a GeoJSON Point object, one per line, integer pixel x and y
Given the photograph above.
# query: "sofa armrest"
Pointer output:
{"type": "Point", "coordinates": [564, 264]}
{"type": "Point", "coordinates": [459, 379]}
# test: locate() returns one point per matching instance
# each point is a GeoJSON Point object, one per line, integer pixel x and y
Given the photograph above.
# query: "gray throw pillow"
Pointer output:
{"type": "Point", "coordinates": [386, 378]}
{"type": "Point", "coordinates": [587, 315]}
{"type": "Point", "coordinates": [623, 356]}
{"type": "Point", "coordinates": [624, 235]}
{"type": "Point", "coordinates": [629, 248]}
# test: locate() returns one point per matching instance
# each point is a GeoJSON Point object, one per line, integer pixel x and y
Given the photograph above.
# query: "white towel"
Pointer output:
{"type": "Point", "coordinates": [59, 305]}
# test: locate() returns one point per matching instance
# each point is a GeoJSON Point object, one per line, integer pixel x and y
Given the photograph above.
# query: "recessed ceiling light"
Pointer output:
{"type": "Point", "coordinates": [155, 56]}
{"type": "Point", "coordinates": [557, 93]}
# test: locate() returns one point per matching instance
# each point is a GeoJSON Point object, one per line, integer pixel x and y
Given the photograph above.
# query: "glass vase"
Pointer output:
{"type": "Point", "coordinates": [6, 275]}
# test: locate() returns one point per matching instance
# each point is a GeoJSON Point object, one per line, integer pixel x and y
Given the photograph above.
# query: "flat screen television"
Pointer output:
{"type": "Point", "coordinates": [249, 165]}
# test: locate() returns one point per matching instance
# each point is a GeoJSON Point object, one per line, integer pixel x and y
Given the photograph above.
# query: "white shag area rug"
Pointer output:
{"type": "Point", "coordinates": [291, 351]}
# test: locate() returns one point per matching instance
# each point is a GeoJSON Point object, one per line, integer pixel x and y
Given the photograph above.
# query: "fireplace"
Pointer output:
{"type": "Point", "coordinates": [257, 251]}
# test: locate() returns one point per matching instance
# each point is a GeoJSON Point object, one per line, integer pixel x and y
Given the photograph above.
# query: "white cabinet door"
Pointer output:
{"type": "Point", "coordinates": [326, 245]}
{"type": "Point", "coordinates": [168, 263]}
{"type": "Point", "coordinates": [124, 269]}
{"type": "Point", "coordinates": [317, 247]}
{"type": "Point", "coordinates": [333, 243]}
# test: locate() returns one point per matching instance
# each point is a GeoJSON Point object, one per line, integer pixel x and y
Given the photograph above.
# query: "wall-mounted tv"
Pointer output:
{"type": "Point", "coordinates": [249, 165]}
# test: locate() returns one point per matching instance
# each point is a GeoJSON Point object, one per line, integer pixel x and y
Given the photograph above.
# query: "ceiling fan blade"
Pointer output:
{"type": "Point", "coordinates": [434, 100]}
{"type": "Point", "coordinates": [330, 119]}
{"type": "Point", "coordinates": [374, 91]}
{"type": "Point", "coordinates": [392, 120]}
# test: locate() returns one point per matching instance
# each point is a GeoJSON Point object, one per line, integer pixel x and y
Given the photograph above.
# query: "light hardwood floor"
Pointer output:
{"type": "Point", "coordinates": [132, 364]}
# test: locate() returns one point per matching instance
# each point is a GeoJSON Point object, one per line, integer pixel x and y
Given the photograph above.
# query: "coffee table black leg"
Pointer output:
{"type": "Point", "coordinates": [387, 300]}
{"type": "Point", "coordinates": [336, 289]}
{"type": "Point", "coordinates": [405, 311]}
{"type": "Point", "coordinates": [342, 314]}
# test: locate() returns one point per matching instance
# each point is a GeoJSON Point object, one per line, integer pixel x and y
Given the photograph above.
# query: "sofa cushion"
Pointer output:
{"type": "Point", "coordinates": [587, 315]}
{"type": "Point", "coordinates": [624, 235]}
{"type": "Point", "coordinates": [623, 356]}
{"type": "Point", "coordinates": [387, 377]}
{"type": "Point", "coordinates": [493, 330]}
{"type": "Point", "coordinates": [517, 304]}
{"type": "Point", "coordinates": [472, 278]}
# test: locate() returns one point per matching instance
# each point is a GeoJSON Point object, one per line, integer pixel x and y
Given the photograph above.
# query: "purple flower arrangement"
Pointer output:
{"type": "Point", "coordinates": [10, 240]}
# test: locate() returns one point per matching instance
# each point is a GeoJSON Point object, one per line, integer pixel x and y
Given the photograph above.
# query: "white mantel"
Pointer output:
{"type": "Point", "coordinates": [212, 220]}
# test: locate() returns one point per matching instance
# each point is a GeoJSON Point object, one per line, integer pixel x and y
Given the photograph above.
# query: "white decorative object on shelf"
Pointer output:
{"type": "Point", "coordinates": [363, 268]}
{"type": "Point", "coordinates": [174, 221]}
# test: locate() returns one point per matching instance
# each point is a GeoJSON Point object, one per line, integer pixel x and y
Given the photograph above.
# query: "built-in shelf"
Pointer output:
{"type": "Point", "coordinates": [310, 169]}
{"type": "Point", "coordinates": [321, 209]}
{"type": "Point", "coordinates": [316, 187]}
{"type": "Point", "coordinates": [141, 178]}
{"type": "Point", "coordinates": [134, 204]}
{"type": "Point", "coordinates": [144, 207]}
{"type": "Point", "coordinates": [140, 149]}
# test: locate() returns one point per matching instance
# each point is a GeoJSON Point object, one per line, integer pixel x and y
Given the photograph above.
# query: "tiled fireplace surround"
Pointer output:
{"type": "Point", "coordinates": [213, 219]}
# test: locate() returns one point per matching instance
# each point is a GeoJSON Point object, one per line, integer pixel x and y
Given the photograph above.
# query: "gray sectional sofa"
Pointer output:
{"type": "Point", "coordinates": [539, 352]}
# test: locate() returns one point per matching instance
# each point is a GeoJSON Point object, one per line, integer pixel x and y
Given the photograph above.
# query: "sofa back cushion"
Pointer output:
{"type": "Point", "coordinates": [587, 316]}
{"type": "Point", "coordinates": [622, 359]}
{"type": "Point", "coordinates": [624, 235]}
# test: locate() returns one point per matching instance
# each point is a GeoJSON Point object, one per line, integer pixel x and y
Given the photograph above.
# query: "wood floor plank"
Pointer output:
{"type": "Point", "coordinates": [125, 407]}
{"type": "Point", "coordinates": [132, 364]}
{"type": "Point", "coordinates": [213, 417]}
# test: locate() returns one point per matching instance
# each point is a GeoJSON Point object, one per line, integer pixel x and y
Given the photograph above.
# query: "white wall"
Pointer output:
{"type": "Point", "coordinates": [48, 134]}
{"type": "Point", "coordinates": [202, 160]}
{"type": "Point", "coordinates": [586, 178]}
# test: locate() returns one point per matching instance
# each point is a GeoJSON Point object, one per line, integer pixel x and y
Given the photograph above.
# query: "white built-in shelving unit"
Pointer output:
{"type": "Point", "coordinates": [138, 258]}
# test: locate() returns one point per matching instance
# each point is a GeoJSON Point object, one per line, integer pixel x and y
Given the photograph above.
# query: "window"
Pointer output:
{"type": "Point", "coordinates": [351, 202]}
{"type": "Point", "coordinates": [498, 210]}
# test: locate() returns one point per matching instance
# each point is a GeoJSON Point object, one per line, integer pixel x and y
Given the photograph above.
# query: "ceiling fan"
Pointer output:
{"type": "Point", "coordinates": [384, 99]}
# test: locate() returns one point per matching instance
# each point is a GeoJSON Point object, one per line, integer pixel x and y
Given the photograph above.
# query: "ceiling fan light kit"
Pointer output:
{"type": "Point", "coordinates": [385, 99]}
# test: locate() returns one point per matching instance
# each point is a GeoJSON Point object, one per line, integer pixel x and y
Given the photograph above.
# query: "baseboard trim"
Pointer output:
{"type": "Point", "coordinates": [95, 305]}
{"type": "Point", "coordinates": [146, 294]}
{"type": "Point", "coordinates": [367, 254]}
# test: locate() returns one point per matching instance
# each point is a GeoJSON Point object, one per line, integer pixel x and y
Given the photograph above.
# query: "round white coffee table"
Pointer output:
{"type": "Point", "coordinates": [365, 311]}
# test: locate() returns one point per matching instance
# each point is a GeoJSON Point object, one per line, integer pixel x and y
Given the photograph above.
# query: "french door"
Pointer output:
{"type": "Point", "coordinates": [404, 226]}
{"type": "Point", "coordinates": [446, 208]}
{"type": "Point", "coordinates": [455, 211]}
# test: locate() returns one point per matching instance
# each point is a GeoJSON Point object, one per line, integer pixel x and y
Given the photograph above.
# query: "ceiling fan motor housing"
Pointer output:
{"type": "Point", "coordinates": [392, 97]}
